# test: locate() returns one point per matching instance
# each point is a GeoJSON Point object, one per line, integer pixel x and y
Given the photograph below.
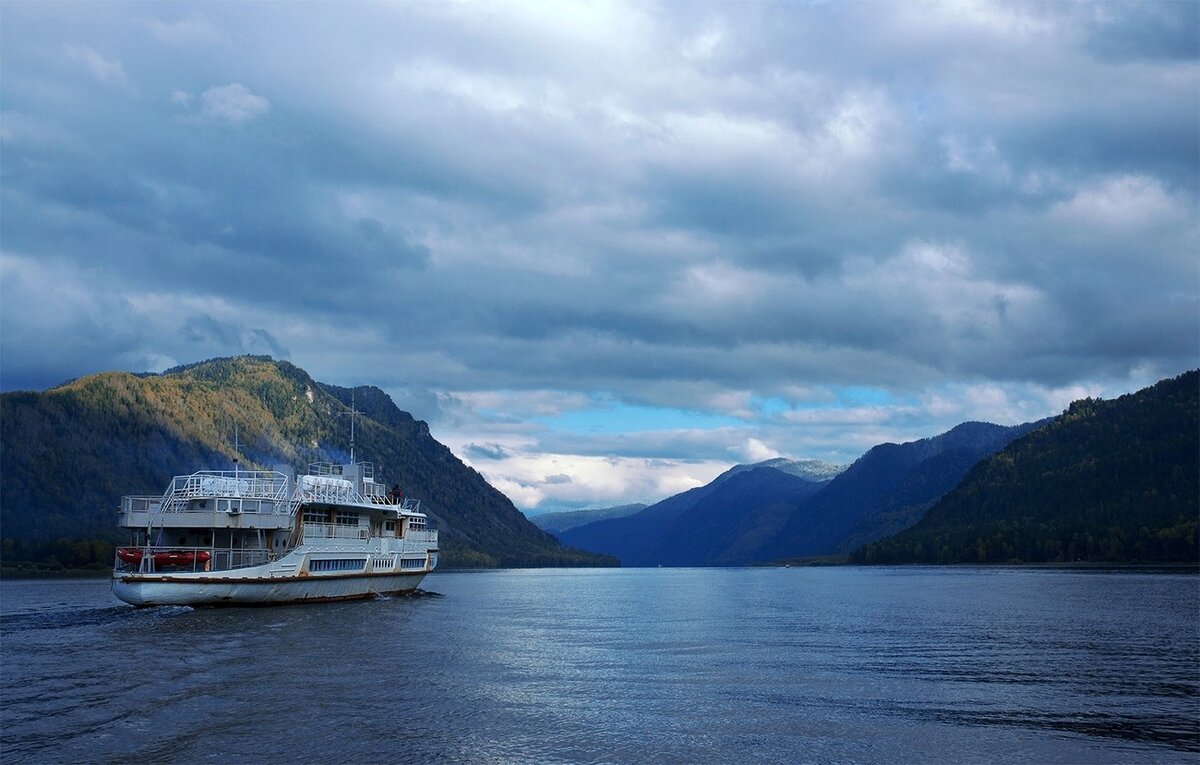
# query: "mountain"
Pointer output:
{"type": "Point", "coordinates": [889, 487]}
{"type": "Point", "coordinates": [810, 470]}
{"type": "Point", "coordinates": [624, 538]}
{"type": "Point", "coordinates": [729, 524]}
{"type": "Point", "coordinates": [1107, 481]}
{"type": "Point", "coordinates": [556, 523]}
{"type": "Point", "coordinates": [68, 454]}
{"type": "Point", "coordinates": [629, 538]}
{"type": "Point", "coordinates": [788, 509]}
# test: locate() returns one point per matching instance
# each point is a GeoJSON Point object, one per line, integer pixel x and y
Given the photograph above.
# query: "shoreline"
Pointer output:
{"type": "Point", "coordinates": [71, 573]}
{"type": "Point", "coordinates": [1192, 568]}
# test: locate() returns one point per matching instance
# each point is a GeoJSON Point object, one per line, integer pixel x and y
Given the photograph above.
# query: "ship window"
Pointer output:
{"type": "Point", "coordinates": [389, 525]}
{"type": "Point", "coordinates": [340, 564]}
{"type": "Point", "coordinates": [314, 516]}
{"type": "Point", "coordinates": [412, 563]}
{"type": "Point", "coordinates": [343, 518]}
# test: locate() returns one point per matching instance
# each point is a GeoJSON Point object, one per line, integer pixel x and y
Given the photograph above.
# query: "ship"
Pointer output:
{"type": "Point", "coordinates": [260, 537]}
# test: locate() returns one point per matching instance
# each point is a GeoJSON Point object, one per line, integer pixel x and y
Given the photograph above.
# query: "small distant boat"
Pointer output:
{"type": "Point", "coordinates": [265, 536]}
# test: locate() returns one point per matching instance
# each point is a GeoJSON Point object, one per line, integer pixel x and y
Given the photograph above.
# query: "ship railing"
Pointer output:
{"type": "Point", "coordinates": [366, 469]}
{"type": "Point", "coordinates": [139, 504]}
{"type": "Point", "coordinates": [374, 492]}
{"type": "Point", "coordinates": [225, 560]}
{"type": "Point", "coordinates": [244, 484]}
{"type": "Point", "coordinates": [421, 536]}
{"type": "Point", "coordinates": [334, 531]}
{"type": "Point", "coordinates": [406, 505]}
{"type": "Point", "coordinates": [333, 495]}
{"type": "Point", "coordinates": [408, 546]}
{"type": "Point", "coordinates": [174, 559]}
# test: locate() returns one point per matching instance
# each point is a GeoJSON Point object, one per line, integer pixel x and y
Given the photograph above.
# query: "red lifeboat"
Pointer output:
{"type": "Point", "coordinates": [166, 557]}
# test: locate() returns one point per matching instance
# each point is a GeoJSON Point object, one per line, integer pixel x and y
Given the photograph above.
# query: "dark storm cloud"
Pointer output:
{"type": "Point", "coordinates": [1125, 31]}
{"type": "Point", "coordinates": [230, 339]}
{"type": "Point", "coordinates": [615, 198]}
{"type": "Point", "coordinates": [484, 451]}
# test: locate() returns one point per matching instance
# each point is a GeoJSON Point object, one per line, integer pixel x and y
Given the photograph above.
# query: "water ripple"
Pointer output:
{"type": "Point", "coordinates": [650, 666]}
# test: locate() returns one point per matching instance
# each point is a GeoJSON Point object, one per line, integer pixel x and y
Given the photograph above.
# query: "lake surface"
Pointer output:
{"type": "Point", "coordinates": [624, 666]}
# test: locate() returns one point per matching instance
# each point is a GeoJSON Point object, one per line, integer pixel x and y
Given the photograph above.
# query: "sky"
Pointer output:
{"type": "Point", "coordinates": [608, 250]}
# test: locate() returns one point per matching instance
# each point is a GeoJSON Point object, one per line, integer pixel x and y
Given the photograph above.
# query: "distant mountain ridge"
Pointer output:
{"type": "Point", "coordinates": [1107, 481]}
{"type": "Point", "coordinates": [625, 537]}
{"type": "Point", "coordinates": [759, 513]}
{"type": "Point", "coordinates": [636, 539]}
{"type": "Point", "coordinates": [556, 523]}
{"type": "Point", "coordinates": [728, 525]}
{"type": "Point", "coordinates": [808, 469]}
{"type": "Point", "coordinates": [892, 484]}
{"type": "Point", "coordinates": [68, 454]}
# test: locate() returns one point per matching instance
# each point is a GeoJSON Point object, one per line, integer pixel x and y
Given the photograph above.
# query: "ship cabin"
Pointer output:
{"type": "Point", "coordinates": [223, 520]}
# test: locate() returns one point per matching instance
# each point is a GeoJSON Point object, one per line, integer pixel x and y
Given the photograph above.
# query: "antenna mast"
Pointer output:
{"type": "Point", "coordinates": [353, 413]}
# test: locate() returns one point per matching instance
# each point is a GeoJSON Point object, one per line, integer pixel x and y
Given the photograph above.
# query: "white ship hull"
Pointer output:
{"type": "Point", "coordinates": [192, 590]}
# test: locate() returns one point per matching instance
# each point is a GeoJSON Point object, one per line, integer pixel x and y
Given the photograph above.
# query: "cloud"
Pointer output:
{"type": "Point", "coordinates": [190, 30]}
{"type": "Point", "coordinates": [638, 240]}
{"type": "Point", "coordinates": [1126, 31]}
{"type": "Point", "coordinates": [233, 103]}
{"type": "Point", "coordinates": [754, 450]}
{"type": "Point", "coordinates": [233, 338]}
{"type": "Point", "coordinates": [592, 481]}
{"type": "Point", "coordinates": [485, 452]}
{"type": "Point", "coordinates": [57, 324]}
{"type": "Point", "coordinates": [106, 70]}
{"type": "Point", "coordinates": [1122, 203]}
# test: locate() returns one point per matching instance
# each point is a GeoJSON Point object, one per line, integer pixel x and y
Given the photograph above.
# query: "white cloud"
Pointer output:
{"type": "Point", "coordinates": [191, 30]}
{"type": "Point", "coordinates": [486, 92]}
{"type": "Point", "coordinates": [1002, 19]}
{"type": "Point", "coordinates": [233, 103]}
{"type": "Point", "coordinates": [22, 130]}
{"type": "Point", "coordinates": [704, 46]}
{"type": "Point", "coordinates": [754, 450]}
{"type": "Point", "coordinates": [105, 69]}
{"type": "Point", "coordinates": [979, 157]}
{"type": "Point", "coordinates": [549, 481]}
{"type": "Point", "coordinates": [1124, 202]}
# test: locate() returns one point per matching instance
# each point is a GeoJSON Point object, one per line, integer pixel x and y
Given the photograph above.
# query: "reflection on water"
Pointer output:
{"type": "Point", "coordinates": [626, 666]}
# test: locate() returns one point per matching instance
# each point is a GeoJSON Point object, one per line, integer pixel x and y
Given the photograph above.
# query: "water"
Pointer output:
{"type": "Point", "coordinates": [621, 666]}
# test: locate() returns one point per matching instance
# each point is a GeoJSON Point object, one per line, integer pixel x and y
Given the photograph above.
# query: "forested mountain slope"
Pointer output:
{"type": "Point", "coordinates": [889, 487]}
{"type": "Point", "coordinates": [1114, 481]}
{"type": "Point", "coordinates": [68, 454]}
{"type": "Point", "coordinates": [630, 538]}
{"type": "Point", "coordinates": [783, 509]}
{"type": "Point", "coordinates": [729, 525]}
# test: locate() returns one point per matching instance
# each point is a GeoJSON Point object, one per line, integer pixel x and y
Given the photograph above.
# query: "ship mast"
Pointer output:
{"type": "Point", "coordinates": [353, 414]}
